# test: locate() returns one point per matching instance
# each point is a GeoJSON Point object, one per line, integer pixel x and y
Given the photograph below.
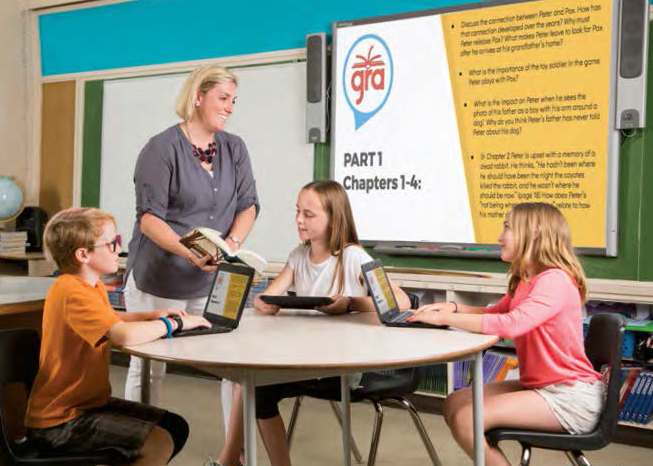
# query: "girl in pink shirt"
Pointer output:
{"type": "Point", "coordinates": [558, 390]}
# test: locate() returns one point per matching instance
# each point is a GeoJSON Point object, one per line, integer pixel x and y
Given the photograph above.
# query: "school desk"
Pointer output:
{"type": "Point", "coordinates": [21, 300]}
{"type": "Point", "coordinates": [298, 345]}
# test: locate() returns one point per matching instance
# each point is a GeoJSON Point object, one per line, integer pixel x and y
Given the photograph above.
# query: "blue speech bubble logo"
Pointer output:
{"type": "Point", "coordinates": [364, 79]}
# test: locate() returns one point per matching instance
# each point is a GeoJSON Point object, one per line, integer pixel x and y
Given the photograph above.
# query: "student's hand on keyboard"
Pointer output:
{"type": "Point", "coordinates": [191, 322]}
{"type": "Point", "coordinates": [265, 308]}
{"type": "Point", "coordinates": [429, 315]}
{"type": "Point", "coordinates": [168, 312]}
{"type": "Point", "coordinates": [339, 305]}
{"type": "Point", "coordinates": [447, 306]}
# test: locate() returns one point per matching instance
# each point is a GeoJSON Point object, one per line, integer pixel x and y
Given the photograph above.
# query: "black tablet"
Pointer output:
{"type": "Point", "coordinates": [297, 302]}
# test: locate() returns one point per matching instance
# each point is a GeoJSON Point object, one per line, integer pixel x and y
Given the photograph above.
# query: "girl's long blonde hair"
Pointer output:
{"type": "Point", "coordinates": [542, 239]}
{"type": "Point", "coordinates": [341, 231]}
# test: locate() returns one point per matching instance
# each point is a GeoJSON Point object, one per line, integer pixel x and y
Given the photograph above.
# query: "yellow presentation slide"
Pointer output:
{"type": "Point", "coordinates": [531, 86]}
{"type": "Point", "coordinates": [235, 295]}
{"type": "Point", "coordinates": [385, 288]}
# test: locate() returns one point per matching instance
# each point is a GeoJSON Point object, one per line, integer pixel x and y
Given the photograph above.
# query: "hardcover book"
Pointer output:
{"type": "Point", "coordinates": [206, 241]}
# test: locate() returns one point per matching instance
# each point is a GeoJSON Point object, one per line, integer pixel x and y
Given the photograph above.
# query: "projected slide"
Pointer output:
{"type": "Point", "coordinates": [443, 122]}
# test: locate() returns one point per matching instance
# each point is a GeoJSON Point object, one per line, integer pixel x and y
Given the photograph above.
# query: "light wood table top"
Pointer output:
{"type": "Point", "coordinates": [299, 345]}
{"type": "Point", "coordinates": [18, 293]}
{"type": "Point", "coordinates": [310, 340]}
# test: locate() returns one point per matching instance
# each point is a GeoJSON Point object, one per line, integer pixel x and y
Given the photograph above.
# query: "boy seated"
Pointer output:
{"type": "Point", "coordinates": [70, 409]}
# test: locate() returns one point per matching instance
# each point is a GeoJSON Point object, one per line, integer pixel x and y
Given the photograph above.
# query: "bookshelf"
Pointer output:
{"type": "Point", "coordinates": [30, 264]}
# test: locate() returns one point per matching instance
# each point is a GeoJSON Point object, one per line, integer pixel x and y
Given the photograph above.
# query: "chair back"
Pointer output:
{"type": "Point", "coordinates": [603, 348]}
{"type": "Point", "coordinates": [19, 363]}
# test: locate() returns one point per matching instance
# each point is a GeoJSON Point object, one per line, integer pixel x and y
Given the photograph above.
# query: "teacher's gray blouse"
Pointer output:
{"type": "Point", "coordinates": [171, 184]}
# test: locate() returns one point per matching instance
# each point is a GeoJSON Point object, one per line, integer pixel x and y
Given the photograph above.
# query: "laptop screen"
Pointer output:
{"type": "Point", "coordinates": [379, 287]}
{"type": "Point", "coordinates": [229, 292]}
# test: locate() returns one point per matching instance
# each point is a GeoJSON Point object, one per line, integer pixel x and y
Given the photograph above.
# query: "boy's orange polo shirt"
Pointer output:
{"type": "Point", "coordinates": [74, 362]}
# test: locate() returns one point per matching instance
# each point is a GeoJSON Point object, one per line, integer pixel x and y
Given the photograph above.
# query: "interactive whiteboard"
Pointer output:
{"type": "Point", "coordinates": [445, 119]}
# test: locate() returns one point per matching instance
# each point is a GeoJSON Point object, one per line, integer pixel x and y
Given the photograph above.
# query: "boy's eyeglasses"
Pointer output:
{"type": "Point", "coordinates": [111, 244]}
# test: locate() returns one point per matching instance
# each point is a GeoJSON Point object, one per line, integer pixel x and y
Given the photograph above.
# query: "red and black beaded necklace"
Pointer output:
{"type": "Point", "coordinates": [203, 155]}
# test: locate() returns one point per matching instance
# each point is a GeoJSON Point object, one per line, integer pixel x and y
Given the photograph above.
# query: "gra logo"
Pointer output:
{"type": "Point", "coordinates": [367, 77]}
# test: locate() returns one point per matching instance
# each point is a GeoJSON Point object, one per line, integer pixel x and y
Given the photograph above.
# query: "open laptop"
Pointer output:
{"type": "Point", "coordinates": [384, 299]}
{"type": "Point", "coordinates": [226, 301]}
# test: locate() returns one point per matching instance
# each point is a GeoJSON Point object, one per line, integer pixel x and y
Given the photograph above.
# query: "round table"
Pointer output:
{"type": "Point", "coordinates": [299, 345]}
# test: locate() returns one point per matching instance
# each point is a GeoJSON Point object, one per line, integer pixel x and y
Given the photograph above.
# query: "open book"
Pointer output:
{"type": "Point", "coordinates": [205, 241]}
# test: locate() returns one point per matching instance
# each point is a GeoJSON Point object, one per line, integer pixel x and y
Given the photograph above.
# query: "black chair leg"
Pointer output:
{"type": "Point", "coordinates": [292, 423]}
{"type": "Point", "coordinates": [420, 428]}
{"type": "Point", "coordinates": [293, 420]}
{"type": "Point", "coordinates": [525, 455]}
{"type": "Point", "coordinates": [376, 433]}
{"type": "Point", "coordinates": [577, 458]}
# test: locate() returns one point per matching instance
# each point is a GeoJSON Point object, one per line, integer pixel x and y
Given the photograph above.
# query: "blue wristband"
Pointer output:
{"type": "Point", "coordinates": [168, 326]}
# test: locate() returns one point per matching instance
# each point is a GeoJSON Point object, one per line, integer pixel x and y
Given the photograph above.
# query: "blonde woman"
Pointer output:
{"type": "Point", "coordinates": [191, 174]}
{"type": "Point", "coordinates": [558, 390]}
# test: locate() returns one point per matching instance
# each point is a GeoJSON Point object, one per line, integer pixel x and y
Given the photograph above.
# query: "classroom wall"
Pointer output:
{"type": "Point", "coordinates": [149, 32]}
{"type": "Point", "coordinates": [13, 111]}
{"type": "Point", "coordinates": [157, 31]}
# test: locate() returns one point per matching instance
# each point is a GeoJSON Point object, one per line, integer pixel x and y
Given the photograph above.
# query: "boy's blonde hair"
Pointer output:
{"type": "Point", "coordinates": [542, 239]}
{"type": "Point", "coordinates": [200, 81]}
{"type": "Point", "coordinates": [71, 229]}
{"type": "Point", "coordinates": [342, 229]}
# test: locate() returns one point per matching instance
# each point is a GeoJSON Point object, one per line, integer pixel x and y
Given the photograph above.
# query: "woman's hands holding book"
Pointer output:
{"type": "Point", "coordinates": [204, 263]}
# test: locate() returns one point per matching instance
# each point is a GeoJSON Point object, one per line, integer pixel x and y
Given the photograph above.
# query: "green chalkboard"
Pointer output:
{"type": "Point", "coordinates": [635, 253]}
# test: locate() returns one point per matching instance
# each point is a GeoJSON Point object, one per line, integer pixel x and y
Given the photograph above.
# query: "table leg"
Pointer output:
{"type": "Point", "coordinates": [249, 420]}
{"type": "Point", "coordinates": [346, 419]}
{"type": "Point", "coordinates": [477, 394]}
{"type": "Point", "coordinates": [145, 381]}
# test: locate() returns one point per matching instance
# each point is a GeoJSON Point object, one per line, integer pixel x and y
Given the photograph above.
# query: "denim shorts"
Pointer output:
{"type": "Point", "coordinates": [577, 407]}
{"type": "Point", "coordinates": [120, 426]}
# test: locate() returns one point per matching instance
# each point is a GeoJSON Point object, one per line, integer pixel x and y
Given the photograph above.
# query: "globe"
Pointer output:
{"type": "Point", "coordinates": [11, 198]}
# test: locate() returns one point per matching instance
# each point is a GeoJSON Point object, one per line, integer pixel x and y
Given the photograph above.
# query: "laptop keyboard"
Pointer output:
{"type": "Point", "coordinates": [203, 331]}
{"type": "Point", "coordinates": [401, 317]}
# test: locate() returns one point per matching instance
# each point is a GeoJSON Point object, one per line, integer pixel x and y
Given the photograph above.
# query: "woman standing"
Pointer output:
{"type": "Point", "coordinates": [190, 175]}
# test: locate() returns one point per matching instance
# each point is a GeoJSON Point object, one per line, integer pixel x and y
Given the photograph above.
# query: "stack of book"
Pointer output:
{"type": "Point", "coordinates": [256, 289]}
{"type": "Point", "coordinates": [434, 379]}
{"type": "Point", "coordinates": [113, 284]}
{"type": "Point", "coordinates": [496, 367]}
{"type": "Point", "coordinates": [13, 242]}
{"type": "Point", "coordinates": [636, 397]}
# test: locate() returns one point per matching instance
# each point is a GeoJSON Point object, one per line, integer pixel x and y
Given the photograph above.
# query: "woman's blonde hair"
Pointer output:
{"type": "Point", "coordinates": [341, 231]}
{"type": "Point", "coordinates": [200, 81]}
{"type": "Point", "coordinates": [71, 229]}
{"type": "Point", "coordinates": [542, 239]}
